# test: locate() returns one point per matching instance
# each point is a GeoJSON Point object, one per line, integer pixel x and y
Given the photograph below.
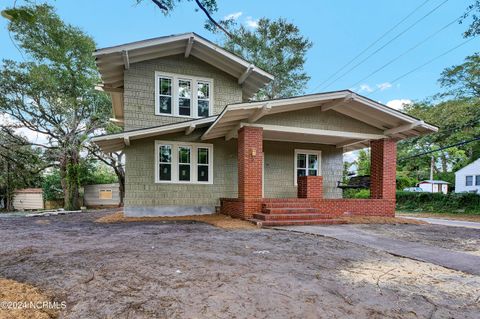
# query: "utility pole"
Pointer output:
{"type": "Point", "coordinates": [432, 162]}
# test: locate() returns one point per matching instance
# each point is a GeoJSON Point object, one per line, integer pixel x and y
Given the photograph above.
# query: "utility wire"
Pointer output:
{"type": "Point", "coordinates": [386, 44]}
{"type": "Point", "coordinates": [441, 148]}
{"type": "Point", "coordinates": [411, 48]}
{"type": "Point", "coordinates": [426, 63]}
{"type": "Point", "coordinates": [372, 44]}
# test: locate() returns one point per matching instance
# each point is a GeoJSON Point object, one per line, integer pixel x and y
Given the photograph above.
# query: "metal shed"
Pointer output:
{"type": "Point", "coordinates": [101, 195]}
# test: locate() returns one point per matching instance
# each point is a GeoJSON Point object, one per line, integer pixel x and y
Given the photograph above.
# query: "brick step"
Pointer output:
{"type": "Point", "coordinates": [287, 205]}
{"type": "Point", "coordinates": [271, 223]}
{"type": "Point", "coordinates": [291, 210]}
{"type": "Point", "coordinates": [309, 216]}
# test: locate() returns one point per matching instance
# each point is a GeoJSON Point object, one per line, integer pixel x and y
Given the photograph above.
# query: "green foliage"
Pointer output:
{"type": "Point", "coordinates": [96, 173]}
{"type": "Point", "coordinates": [363, 162]}
{"type": "Point", "coordinates": [52, 186]}
{"type": "Point", "coordinates": [473, 11]}
{"type": "Point", "coordinates": [404, 181]}
{"type": "Point", "coordinates": [437, 202]}
{"type": "Point", "coordinates": [53, 91]}
{"type": "Point", "coordinates": [167, 6]}
{"type": "Point", "coordinates": [356, 193]}
{"type": "Point", "coordinates": [275, 46]}
{"type": "Point", "coordinates": [463, 80]}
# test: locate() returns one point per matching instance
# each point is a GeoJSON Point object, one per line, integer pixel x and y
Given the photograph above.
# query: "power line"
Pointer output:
{"type": "Point", "coordinates": [411, 49]}
{"type": "Point", "coordinates": [441, 148]}
{"type": "Point", "coordinates": [386, 44]}
{"type": "Point", "coordinates": [372, 44]}
{"type": "Point", "coordinates": [426, 63]}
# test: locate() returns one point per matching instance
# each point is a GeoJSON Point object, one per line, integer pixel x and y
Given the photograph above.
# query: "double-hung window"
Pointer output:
{"type": "Point", "coordinates": [477, 180]}
{"type": "Point", "coordinates": [183, 95]}
{"type": "Point", "coordinates": [469, 180]}
{"type": "Point", "coordinates": [180, 162]}
{"type": "Point", "coordinates": [307, 163]}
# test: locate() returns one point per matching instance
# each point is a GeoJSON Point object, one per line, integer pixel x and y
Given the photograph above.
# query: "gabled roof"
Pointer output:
{"type": "Point", "coordinates": [475, 162]}
{"type": "Point", "coordinates": [112, 61]}
{"type": "Point", "coordinates": [393, 123]}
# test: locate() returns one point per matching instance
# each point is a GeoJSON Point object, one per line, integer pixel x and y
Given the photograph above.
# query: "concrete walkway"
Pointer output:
{"type": "Point", "coordinates": [446, 222]}
{"type": "Point", "coordinates": [439, 256]}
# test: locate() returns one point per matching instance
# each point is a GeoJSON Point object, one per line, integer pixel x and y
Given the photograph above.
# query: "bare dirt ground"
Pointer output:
{"type": "Point", "coordinates": [465, 217]}
{"type": "Point", "coordinates": [194, 270]}
{"type": "Point", "coordinates": [453, 238]}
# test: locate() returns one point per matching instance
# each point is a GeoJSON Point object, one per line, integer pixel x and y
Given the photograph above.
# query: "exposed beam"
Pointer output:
{"type": "Point", "coordinates": [261, 112]}
{"type": "Point", "coordinates": [190, 129]}
{"type": "Point", "coordinates": [108, 89]}
{"type": "Point", "coordinates": [126, 60]}
{"type": "Point", "coordinates": [403, 128]}
{"type": "Point", "coordinates": [334, 104]}
{"type": "Point", "coordinates": [246, 74]}
{"type": "Point", "coordinates": [126, 140]}
{"type": "Point", "coordinates": [350, 143]}
{"type": "Point", "coordinates": [317, 132]}
{"type": "Point", "coordinates": [189, 47]}
{"type": "Point", "coordinates": [115, 120]}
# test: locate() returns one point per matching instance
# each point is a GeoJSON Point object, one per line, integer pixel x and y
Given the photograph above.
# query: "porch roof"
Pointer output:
{"type": "Point", "coordinates": [393, 123]}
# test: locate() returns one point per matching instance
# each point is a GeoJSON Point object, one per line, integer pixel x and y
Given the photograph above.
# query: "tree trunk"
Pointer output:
{"type": "Point", "coordinates": [120, 172]}
{"type": "Point", "coordinates": [69, 172]}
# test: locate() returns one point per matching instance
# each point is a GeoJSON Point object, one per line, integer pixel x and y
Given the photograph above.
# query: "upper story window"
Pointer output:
{"type": "Point", "coordinates": [182, 95]}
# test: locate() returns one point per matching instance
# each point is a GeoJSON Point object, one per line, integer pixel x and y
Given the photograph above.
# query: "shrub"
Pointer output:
{"type": "Point", "coordinates": [438, 202]}
{"type": "Point", "coordinates": [356, 193]}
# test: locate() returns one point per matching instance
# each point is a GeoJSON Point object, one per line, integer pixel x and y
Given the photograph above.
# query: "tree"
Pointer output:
{"type": "Point", "coordinates": [20, 165]}
{"type": "Point", "coordinates": [463, 80]}
{"type": "Point", "coordinates": [472, 11]}
{"type": "Point", "coordinates": [208, 7]}
{"type": "Point", "coordinates": [363, 162]}
{"type": "Point", "coordinates": [52, 92]}
{"type": "Point", "coordinates": [275, 46]}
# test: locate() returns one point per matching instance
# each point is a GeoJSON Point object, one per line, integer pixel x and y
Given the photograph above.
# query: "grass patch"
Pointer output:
{"type": "Point", "coordinates": [218, 220]}
{"type": "Point", "coordinates": [15, 291]}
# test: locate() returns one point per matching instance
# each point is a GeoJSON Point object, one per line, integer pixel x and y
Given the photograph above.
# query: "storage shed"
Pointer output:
{"type": "Point", "coordinates": [101, 195]}
{"type": "Point", "coordinates": [434, 186]}
{"type": "Point", "coordinates": [28, 198]}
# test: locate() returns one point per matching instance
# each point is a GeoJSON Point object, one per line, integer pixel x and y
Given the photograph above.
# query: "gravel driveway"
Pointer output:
{"type": "Point", "coordinates": [194, 270]}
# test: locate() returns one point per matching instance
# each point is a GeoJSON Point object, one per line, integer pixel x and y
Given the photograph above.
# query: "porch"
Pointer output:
{"type": "Point", "coordinates": [310, 206]}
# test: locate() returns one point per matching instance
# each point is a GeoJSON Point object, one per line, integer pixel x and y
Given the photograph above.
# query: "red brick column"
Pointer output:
{"type": "Point", "coordinates": [310, 187]}
{"type": "Point", "coordinates": [250, 169]}
{"type": "Point", "coordinates": [383, 169]}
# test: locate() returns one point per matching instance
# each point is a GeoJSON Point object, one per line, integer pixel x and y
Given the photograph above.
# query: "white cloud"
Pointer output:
{"type": "Point", "coordinates": [399, 103]}
{"type": "Point", "coordinates": [384, 86]}
{"type": "Point", "coordinates": [233, 16]}
{"type": "Point", "coordinates": [250, 22]}
{"type": "Point", "coordinates": [365, 88]}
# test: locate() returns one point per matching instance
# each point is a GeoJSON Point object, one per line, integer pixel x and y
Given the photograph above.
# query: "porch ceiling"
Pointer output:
{"type": "Point", "coordinates": [394, 124]}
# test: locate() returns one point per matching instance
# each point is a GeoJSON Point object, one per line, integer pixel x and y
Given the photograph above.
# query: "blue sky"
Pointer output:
{"type": "Point", "coordinates": [339, 30]}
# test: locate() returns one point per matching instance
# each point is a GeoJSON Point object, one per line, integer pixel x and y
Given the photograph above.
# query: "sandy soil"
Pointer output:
{"type": "Point", "coordinates": [453, 238]}
{"type": "Point", "coordinates": [218, 220]}
{"type": "Point", "coordinates": [193, 270]}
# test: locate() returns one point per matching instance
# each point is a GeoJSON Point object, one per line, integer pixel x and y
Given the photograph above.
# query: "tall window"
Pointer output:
{"type": "Point", "coordinates": [203, 98]}
{"type": "Point", "coordinates": [307, 163]}
{"type": "Point", "coordinates": [165, 162]}
{"type": "Point", "coordinates": [469, 180]}
{"type": "Point", "coordinates": [184, 97]}
{"type": "Point", "coordinates": [165, 95]}
{"type": "Point", "coordinates": [180, 162]}
{"type": "Point", "coordinates": [180, 95]}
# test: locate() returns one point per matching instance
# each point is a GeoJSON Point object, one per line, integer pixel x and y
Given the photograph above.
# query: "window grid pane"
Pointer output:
{"type": "Point", "coordinates": [469, 181]}
{"type": "Point", "coordinates": [477, 180]}
{"type": "Point", "coordinates": [165, 95]}
{"type": "Point", "coordinates": [184, 97]}
{"type": "Point", "coordinates": [203, 164]}
{"type": "Point", "coordinates": [301, 161]}
{"type": "Point", "coordinates": [203, 98]}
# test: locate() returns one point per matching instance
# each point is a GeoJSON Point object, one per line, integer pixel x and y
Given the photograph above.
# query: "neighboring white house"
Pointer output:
{"type": "Point", "coordinates": [434, 186]}
{"type": "Point", "coordinates": [467, 179]}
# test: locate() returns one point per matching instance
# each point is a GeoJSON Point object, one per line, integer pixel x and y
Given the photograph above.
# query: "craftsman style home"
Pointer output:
{"type": "Point", "coordinates": [194, 142]}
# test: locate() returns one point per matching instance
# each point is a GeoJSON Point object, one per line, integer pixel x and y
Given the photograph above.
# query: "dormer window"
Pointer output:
{"type": "Point", "coordinates": [182, 95]}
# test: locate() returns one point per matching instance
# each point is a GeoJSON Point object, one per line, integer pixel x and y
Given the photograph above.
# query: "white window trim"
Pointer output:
{"type": "Point", "coordinates": [312, 152]}
{"type": "Point", "coordinates": [194, 98]}
{"type": "Point", "coordinates": [193, 162]}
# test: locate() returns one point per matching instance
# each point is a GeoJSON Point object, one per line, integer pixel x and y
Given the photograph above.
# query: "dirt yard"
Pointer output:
{"type": "Point", "coordinates": [194, 270]}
